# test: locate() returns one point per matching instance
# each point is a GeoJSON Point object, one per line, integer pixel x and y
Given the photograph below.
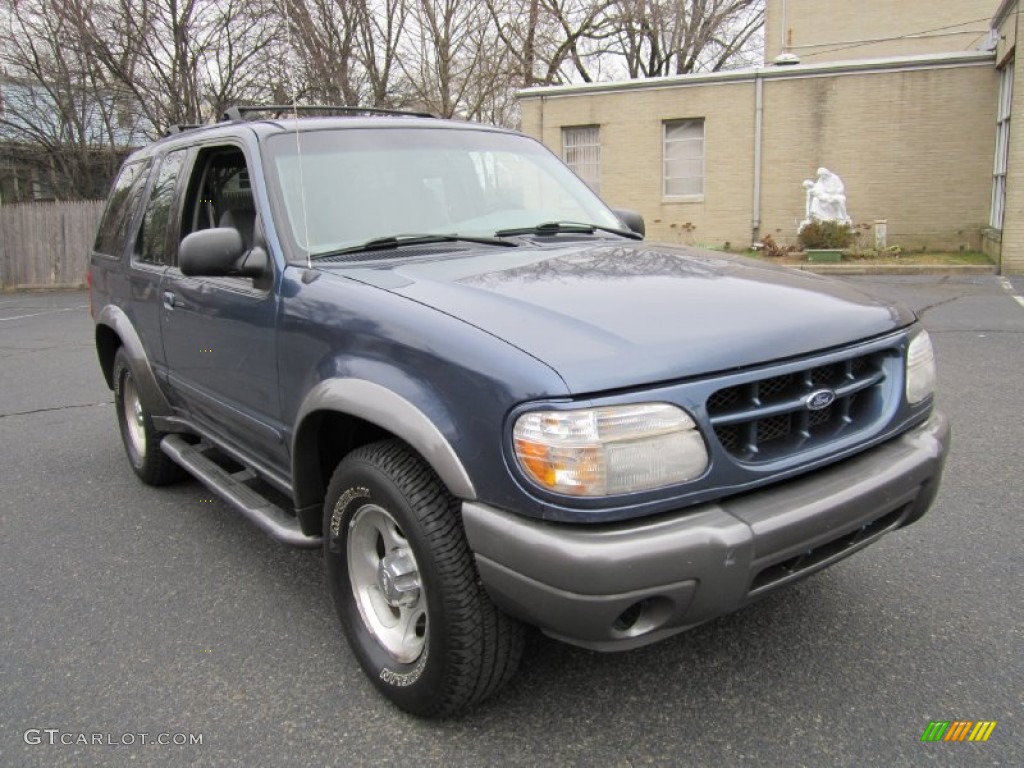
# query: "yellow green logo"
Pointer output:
{"type": "Point", "coordinates": [958, 730]}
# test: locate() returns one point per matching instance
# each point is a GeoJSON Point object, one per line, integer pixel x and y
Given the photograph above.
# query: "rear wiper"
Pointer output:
{"type": "Point", "coordinates": [398, 241]}
{"type": "Point", "coordinates": [563, 227]}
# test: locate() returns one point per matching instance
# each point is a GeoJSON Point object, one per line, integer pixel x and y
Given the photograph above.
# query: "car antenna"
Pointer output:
{"type": "Point", "coordinates": [298, 146]}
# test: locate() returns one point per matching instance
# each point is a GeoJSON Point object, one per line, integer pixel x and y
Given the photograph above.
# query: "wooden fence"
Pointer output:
{"type": "Point", "coordinates": [47, 245]}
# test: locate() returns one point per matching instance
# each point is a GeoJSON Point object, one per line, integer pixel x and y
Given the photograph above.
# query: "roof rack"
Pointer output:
{"type": "Point", "coordinates": [284, 110]}
{"type": "Point", "coordinates": [181, 128]}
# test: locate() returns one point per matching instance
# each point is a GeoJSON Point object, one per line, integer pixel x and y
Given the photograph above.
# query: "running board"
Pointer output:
{"type": "Point", "coordinates": [269, 517]}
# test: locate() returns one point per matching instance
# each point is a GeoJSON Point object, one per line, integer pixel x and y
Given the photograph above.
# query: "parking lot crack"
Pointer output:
{"type": "Point", "coordinates": [55, 408]}
{"type": "Point", "coordinates": [930, 307]}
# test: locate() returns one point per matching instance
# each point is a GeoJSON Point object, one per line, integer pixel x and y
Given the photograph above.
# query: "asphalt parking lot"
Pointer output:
{"type": "Point", "coordinates": [129, 610]}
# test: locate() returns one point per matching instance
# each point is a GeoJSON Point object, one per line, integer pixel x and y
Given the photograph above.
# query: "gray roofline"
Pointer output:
{"type": "Point", "coordinates": [858, 66]}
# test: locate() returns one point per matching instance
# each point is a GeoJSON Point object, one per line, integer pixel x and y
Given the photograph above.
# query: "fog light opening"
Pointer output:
{"type": "Point", "coordinates": [629, 617]}
{"type": "Point", "coordinates": [643, 616]}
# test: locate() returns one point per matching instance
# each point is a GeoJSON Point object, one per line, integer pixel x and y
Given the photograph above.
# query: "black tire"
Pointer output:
{"type": "Point", "coordinates": [462, 649]}
{"type": "Point", "coordinates": [140, 438]}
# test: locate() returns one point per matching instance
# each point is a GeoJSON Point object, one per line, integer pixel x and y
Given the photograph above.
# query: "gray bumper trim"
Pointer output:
{"type": "Point", "coordinates": [573, 581]}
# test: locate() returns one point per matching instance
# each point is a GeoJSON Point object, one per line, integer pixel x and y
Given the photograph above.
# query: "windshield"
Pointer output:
{"type": "Point", "coordinates": [348, 186]}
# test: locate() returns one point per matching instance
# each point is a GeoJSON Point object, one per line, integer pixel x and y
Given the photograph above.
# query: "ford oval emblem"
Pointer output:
{"type": "Point", "coordinates": [820, 400]}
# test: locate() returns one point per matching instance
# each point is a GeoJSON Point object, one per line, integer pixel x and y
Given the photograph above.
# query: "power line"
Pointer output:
{"type": "Point", "coordinates": [907, 36]}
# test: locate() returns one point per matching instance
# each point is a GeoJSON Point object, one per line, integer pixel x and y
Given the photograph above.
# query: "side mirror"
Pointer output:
{"type": "Point", "coordinates": [632, 220]}
{"type": "Point", "coordinates": [220, 252]}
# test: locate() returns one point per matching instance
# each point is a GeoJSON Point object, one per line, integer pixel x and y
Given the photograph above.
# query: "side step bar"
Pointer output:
{"type": "Point", "coordinates": [270, 518]}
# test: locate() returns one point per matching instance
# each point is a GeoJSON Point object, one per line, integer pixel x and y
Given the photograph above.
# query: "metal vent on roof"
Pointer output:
{"type": "Point", "coordinates": [786, 59]}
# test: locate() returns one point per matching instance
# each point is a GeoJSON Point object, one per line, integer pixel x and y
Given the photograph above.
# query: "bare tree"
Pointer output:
{"type": "Point", "coordinates": [61, 121]}
{"type": "Point", "coordinates": [585, 29]}
{"type": "Point", "coordinates": [84, 72]}
{"type": "Point", "coordinates": [323, 33]}
{"type": "Point", "coordinates": [380, 27]}
{"type": "Point", "coordinates": [345, 51]}
{"type": "Point", "coordinates": [447, 59]}
{"type": "Point", "coordinates": [183, 61]}
{"type": "Point", "coordinates": [665, 37]}
{"type": "Point", "coordinates": [550, 41]}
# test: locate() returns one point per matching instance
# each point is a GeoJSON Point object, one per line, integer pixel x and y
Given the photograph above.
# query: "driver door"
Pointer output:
{"type": "Point", "coordinates": [219, 333]}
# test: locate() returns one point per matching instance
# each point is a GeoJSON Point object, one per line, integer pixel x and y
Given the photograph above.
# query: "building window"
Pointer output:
{"type": "Point", "coordinates": [581, 151]}
{"type": "Point", "coordinates": [684, 158]}
{"type": "Point", "coordinates": [1002, 146]}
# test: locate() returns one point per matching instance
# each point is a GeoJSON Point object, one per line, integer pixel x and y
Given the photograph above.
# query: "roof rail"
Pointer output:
{"type": "Point", "coordinates": [181, 128]}
{"type": "Point", "coordinates": [284, 110]}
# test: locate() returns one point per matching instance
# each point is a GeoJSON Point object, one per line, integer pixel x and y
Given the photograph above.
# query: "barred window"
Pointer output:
{"type": "Point", "coordinates": [581, 151]}
{"type": "Point", "coordinates": [684, 158]}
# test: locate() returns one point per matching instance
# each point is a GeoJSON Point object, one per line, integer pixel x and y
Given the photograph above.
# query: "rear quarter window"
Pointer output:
{"type": "Point", "coordinates": [156, 222]}
{"type": "Point", "coordinates": [117, 216]}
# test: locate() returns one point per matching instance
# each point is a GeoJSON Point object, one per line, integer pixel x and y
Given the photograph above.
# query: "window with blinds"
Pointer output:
{"type": "Point", "coordinates": [581, 151]}
{"type": "Point", "coordinates": [684, 158]}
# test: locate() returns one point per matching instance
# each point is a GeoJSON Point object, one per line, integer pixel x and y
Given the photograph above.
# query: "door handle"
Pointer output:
{"type": "Point", "coordinates": [169, 300]}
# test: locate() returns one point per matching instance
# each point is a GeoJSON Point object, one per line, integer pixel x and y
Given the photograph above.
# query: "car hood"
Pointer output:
{"type": "Point", "coordinates": [607, 315]}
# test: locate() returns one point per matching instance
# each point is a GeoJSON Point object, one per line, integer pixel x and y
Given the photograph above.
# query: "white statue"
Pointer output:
{"type": "Point", "coordinates": [826, 199]}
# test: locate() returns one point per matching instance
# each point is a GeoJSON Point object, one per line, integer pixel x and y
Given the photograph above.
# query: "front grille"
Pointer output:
{"type": "Point", "coordinates": [768, 419]}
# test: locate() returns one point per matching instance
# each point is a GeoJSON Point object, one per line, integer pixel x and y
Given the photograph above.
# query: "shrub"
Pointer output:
{"type": "Point", "coordinates": [773, 250]}
{"type": "Point", "coordinates": [825, 234]}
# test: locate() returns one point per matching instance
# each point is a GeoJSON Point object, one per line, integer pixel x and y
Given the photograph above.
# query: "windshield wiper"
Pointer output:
{"type": "Point", "coordinates": [566, 227]}
{"type": "Point", "coordinates": [398, 241]}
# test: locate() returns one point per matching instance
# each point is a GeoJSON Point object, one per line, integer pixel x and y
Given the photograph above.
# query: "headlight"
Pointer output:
{"type": "Point", "coordinates": [920, 368]}
{"type": "Point", "coordinates": [605, 451]}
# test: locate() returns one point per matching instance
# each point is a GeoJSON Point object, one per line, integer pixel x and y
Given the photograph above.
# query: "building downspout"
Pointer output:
{"type": "Point", "coordinates": [1009, 144]}
{"type": "Point", "coordinates": [755, 234]}
{"type": "Point", "coordinates": [543, 103]}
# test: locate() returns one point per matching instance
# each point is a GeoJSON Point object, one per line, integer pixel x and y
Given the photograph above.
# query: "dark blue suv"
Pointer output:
{"type": "Point", "coordinates": [429, 348]}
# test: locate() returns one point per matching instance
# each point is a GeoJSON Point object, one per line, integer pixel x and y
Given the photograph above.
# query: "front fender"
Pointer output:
{"type": "Point", "coordinates": [387, 410]}
{"type": "Point", "coordinates": [152, 396]}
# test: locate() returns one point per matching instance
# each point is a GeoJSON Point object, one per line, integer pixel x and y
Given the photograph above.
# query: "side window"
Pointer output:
{"type": "Point", "coordinates": [683, 158]}
{"type": "Point", "coordinates": [220, 194]}
{"type": "Point", "coordinates": [117, 216]}
{"type": "Point", "coordinates": [151, 245]}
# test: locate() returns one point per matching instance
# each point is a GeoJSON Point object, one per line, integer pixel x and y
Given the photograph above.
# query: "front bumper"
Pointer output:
{"type": "Point", "coordinates": [615, 587]}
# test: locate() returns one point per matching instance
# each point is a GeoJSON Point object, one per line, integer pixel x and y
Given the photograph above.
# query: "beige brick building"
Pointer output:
{"type": "Point", "coordinates": [1006, 235]}
{"type": "Point", "coordinates": [720, 159]}
{"type": "Point", "coordinates": [842, 30]}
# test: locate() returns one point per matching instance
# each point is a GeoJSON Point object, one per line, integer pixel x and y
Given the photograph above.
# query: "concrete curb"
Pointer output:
{"type": "Point", "coordinates": [58, 288]}
{"type": "Point", "coordinates": [937, 270]}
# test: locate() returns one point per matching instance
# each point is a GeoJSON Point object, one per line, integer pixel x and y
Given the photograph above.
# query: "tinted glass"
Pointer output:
{"type": "Point", "coordinates": [153, 236]}
{"type": "Point", "coordinates": [117, 216]}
